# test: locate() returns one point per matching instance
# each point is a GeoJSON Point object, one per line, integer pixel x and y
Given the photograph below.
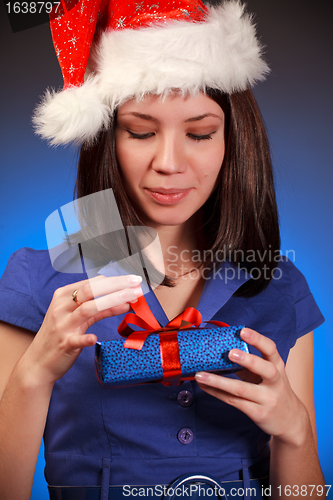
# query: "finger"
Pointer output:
{"type": "Point", "coordinates": [250, 408]}
{"type": "Point", "coordinates": [260, 367]}
{"type": "Point", "coordinates": [115, 311]}
{"type": "Point", "coordinates": [113, 300]}
{"type": "Point", "coordinates": [75, 342]}
{"type": "Point", "coordinates": [94, 289]}
{"type": "Point", "coordinates": [73, 290]}
{"type": "Point", "coordinates": [217, 393]}
{"type": "Point", "coordinates": [230, 387]}
{"type": "Point", "coordinates": [248, 376]}
{"type": "Point", "coordinates": [265, 345]}
{"type": "Point", "coordinates": [100, 286]}
{"type": "Point", "coordinates": [90, 309]}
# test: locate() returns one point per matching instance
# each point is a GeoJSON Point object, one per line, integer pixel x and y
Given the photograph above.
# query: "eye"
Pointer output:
{"type": "Point", "coordinates": [140, 136]}
{"type": "Point", "coordinates": [203, 137]}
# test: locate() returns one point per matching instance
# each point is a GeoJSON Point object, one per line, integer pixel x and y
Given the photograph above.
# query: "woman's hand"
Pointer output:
{"type": "Point", "coordinates": [62, 337]}
{"type": "Point", "coordinates": [264, 393]}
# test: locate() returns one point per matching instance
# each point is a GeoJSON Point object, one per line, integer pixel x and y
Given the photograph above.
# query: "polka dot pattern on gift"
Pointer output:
{"type": "Point", "coordinates": [122, 366]}
{"type": "Point", "coordinates": [207, 349]}
{"type": "Point", "coordinates": [200, 349]}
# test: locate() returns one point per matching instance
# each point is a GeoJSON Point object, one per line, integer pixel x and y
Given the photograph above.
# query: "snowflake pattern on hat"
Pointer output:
{"type": "Point", "coordinates": [110, 51]}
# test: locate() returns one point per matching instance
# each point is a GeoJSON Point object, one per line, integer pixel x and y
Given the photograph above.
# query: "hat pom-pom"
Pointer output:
{"type": "Point", "coordinates": [75, 114]}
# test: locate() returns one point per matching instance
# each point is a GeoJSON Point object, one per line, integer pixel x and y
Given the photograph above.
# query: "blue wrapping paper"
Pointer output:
{"type": "Point", "coordinates": [200, 349]}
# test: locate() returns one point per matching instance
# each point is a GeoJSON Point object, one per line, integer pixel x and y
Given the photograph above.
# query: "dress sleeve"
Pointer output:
{"type": "Point", "coordinates": [308, 315]}
{"type": "Point", "coordinates": [17, 305]}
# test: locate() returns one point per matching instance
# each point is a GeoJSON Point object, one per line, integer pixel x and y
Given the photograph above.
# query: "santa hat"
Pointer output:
{"type": "Point", "coordinates": [111, 50]}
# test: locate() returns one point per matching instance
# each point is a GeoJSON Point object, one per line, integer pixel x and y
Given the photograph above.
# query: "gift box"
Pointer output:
{"type": "Point", "coordinates": [170, 354]}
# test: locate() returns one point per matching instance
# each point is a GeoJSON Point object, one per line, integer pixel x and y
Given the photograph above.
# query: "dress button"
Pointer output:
{"type": "Point", "coordinates": [185, 398]}
{"type": "Point", "coordinates": [185, 436]}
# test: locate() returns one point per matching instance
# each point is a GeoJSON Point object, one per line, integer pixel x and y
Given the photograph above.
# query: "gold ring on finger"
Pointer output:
{"type": "Point", "coordinates": [74, 295]}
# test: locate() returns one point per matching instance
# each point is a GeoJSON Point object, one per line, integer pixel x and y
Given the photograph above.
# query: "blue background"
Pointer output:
{"type": "Point", "coordinates": [296, 102]}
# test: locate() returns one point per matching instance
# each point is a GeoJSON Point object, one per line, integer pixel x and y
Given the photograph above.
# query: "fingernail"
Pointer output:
{"type": "Point", "coordinates": [133, 279]}
{"type": "Point", "coordinates": [236, 355]}
{"type": "Point", "coordinates": [201, 377]}
{"type": "Point", "coordinates": [246, 334]}
{"type": "Point", "coordinates": [138, 291]}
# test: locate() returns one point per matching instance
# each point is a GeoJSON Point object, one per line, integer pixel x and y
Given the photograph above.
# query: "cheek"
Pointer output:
{"type": "Point", "coordinates": [128, 176]}
{"type": "Point", "coordinates": [213, 165]}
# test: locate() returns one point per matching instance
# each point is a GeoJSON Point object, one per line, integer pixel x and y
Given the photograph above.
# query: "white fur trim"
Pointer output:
{"type": "Point", "coordinates": [222, 53]}
{"type": "Point", "coordinates": [72, 115]}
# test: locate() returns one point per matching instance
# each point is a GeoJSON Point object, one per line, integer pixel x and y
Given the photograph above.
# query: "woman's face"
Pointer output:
{"type": "Point", "coordinates": [170, 153]}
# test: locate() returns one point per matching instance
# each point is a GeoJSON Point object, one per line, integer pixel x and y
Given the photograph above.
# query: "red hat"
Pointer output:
{"type": "Point", "coordinates": [110, 51]}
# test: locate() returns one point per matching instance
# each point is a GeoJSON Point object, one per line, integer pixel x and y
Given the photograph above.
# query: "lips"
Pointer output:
{"type": "Point", "coordinates": [167, 190]}
{"type": "Point", "coordinates": [167, 196]}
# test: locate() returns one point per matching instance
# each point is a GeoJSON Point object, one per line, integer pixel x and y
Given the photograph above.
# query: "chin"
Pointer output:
{"type": "Point", "coordinates": [166, 221]}
{"type": "Point", "coordinates": [173, 217]}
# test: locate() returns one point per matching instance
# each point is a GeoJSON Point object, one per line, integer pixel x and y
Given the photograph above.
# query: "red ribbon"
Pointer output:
{"type": "Point", "coordinates": [169, 348]}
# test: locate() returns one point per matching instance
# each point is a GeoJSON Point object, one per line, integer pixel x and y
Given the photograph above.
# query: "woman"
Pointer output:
{"type": "Point", "coordinates": [169, 155]}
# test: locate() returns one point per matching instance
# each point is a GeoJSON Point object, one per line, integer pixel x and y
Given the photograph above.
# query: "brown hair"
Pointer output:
{"type": "Point", "coordinates": [241, 218]}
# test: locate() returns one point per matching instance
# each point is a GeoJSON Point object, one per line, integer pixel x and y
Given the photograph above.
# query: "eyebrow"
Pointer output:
{"type": "Point", "coordinates": [143, 116]}
{"type": "Point", "coordinates": [201, 117]}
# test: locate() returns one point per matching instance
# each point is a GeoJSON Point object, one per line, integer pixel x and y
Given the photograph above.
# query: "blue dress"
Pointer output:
{"type": "Point", "coordinates": [135, 433]}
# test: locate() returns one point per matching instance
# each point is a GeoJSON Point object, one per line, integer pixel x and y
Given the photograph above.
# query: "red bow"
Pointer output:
{"type": "Point", "coordinates": [169, 348]}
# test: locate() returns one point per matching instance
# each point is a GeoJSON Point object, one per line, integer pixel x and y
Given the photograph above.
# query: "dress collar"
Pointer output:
{"type": "Point", "coordinates": [220, 284]}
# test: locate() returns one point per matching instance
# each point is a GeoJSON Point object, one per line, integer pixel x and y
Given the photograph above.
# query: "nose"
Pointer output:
{"type": "Point", "coordinates": [169, 157]}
